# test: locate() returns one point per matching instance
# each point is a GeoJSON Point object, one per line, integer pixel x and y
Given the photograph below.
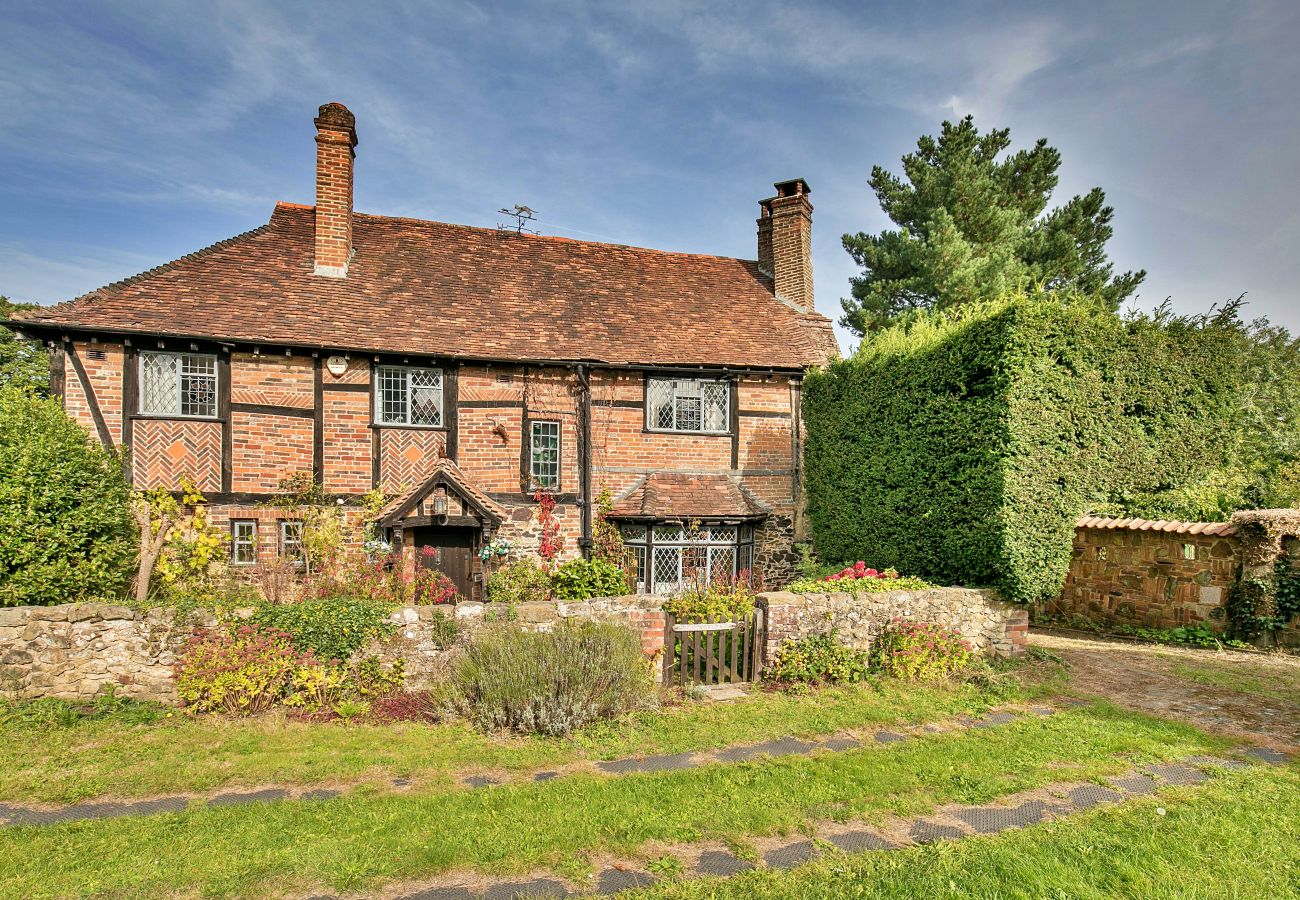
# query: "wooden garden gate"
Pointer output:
{"type": "Point", "coordinates": [715, 652]}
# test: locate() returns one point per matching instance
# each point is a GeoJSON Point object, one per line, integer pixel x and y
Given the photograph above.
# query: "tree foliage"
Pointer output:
{"type": "Point", "coordinates": [23, 363]}
{"type": "Point", "coordinates": [65, 523]}
{"type": "Point", "coordinates": [974, 226]}
{"type": "Point", "coordinates": [961, 446]}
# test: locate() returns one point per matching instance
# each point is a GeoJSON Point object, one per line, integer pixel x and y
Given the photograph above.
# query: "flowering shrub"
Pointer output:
{"type": "Point", "coordinates": [724, 599]}
{"type": "Point", "coordinates": [246, 672]}
{"type": "Point", "coordinates": [858, 578]}
{"type": "Point", "coordinates": [408, 706]}
{"type": "Point", "coordinates": [521, 581]}
{"type": "Point", "coordinates": [820, 659]}
{"type": "Point", "coordinates": [551, 541]}
{"type": "Point", "coordinates": [922, 651]}
{"type": "Point", "coordinates": [380, 579]}
{"type": "Point", "coordinates": [431, 586]}
{"type": "Point", "coordinates": [582, 579]}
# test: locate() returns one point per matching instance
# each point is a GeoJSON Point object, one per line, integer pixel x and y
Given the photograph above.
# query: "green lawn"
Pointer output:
{"type": "Point", "coordinates": [1236, 837]}
{"type": "Point", "coordinates": [367, 838]}
{"type": "Point", "coordinates": [1242, 674]}
{"type": "Point", "coordinates": [107, 758]}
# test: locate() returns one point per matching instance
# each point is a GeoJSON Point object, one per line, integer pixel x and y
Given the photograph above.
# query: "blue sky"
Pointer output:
{"type": "Point", "coordinates": [137, 132]}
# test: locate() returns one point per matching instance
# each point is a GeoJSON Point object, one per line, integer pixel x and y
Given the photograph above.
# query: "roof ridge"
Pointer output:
{"type": "Point", "coordinates": [162, 267]}
{"type": "Point", "coordinates": [411, 220]}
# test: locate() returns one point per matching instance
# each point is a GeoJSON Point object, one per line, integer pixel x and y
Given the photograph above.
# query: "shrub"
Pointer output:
{"type": "Point", "coordinates": [521, 581]}
{"type": "Point", "coordinates": [357, 576]}
{"type": "Point", "coordinates": [582, 579]}
{"type": "Point", "coordinates": [246, 672]}
{"type": "Point", "coordinates": [820, 659]}
{"type": "Point", "coordinates": [330, 627]}
{"type": "Point", "coordinates": [66, 532]}
{"type": "Point", "coordinates": [409, 706]}
{"type": "Point", "coordinates": [922, 651]}
{"type": "Point", "coordinates": [858, 579]}
{"type": "Point", "coordinates": [722, 600]}
{"type": "Point", "coordinates": [550, 682]}
{"type": "Point", "coordinates": [962, 445]}
{"type": "Point", "coordinates": [433, 586]}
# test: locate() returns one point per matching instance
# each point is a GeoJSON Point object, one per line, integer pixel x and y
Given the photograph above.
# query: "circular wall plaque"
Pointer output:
{"type": "Point", "coordinates": [337, 365]}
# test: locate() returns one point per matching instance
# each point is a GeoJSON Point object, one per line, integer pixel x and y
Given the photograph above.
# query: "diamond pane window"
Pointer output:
{"type": "Point", "coordinates": [178, 384]}
{"type": "Point", "coordinates": [406, 395]}
{"type": "Point", "coordinates": [634, 534]}
{"type": "Point", "coordinates": [668, 569]}
{"type": "Point", "coordinates": [680, 557]}
{"type": "Point", "coordinates": [688, 404]}
{"type": "Point", "coordinates": [544, 460]}
{"type": "Point", "coordinates": [243, 542]}
{"type": "Point", "coordinates": [636, 558]}
{"type": "Point", "coordinates": [668, 533]}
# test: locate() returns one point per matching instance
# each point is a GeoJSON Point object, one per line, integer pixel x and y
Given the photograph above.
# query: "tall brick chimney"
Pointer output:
{"type": "Point", "coordinates": [785, 242]}
{"type": "Point", "coordinates": [336, 136]}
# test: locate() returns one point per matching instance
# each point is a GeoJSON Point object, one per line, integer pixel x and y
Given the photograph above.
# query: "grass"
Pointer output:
{"type": "Point", "coordinates": [1245, 676]}
{"type": "Point", "coordinates": [117, 755]}
{"type": "Point", "coordinates": [366, 837]}
{"type": "Point", "coordinates": [1235, 837]}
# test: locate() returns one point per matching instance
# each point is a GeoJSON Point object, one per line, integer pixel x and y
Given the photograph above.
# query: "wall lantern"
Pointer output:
{"type": "Point", "coordinates": [440, 505]}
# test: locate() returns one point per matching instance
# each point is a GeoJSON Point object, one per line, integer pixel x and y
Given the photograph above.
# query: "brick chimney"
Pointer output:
{"type": "Point", "coordinates": [336, 136]}
{"type": "Point", "coordinates": [785, 242]}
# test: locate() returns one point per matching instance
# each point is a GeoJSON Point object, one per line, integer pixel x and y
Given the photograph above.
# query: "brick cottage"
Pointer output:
{"type": "Point", "coordinates": [459, 370]}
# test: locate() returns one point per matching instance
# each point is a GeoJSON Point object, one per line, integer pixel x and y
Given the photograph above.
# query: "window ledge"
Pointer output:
{"type": "Point", "coordinates": [397, 426]}
{"type": "Point", "coordinates": [162, 417]}
{"type": "Point", "coordinates": [688, 433]}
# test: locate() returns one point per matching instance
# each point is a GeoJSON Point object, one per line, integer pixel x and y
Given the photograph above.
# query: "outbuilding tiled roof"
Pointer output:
{"type": "Point", "coordinates": [444, 472]}
{"type": "Point", "coordinates": [1173, 527]}
{"type": "Point", "coordinates": [670, 495]}
{"type": "Point", "coordinates": [450, 290]}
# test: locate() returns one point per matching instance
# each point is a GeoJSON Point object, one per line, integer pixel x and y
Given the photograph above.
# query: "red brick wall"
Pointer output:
{"type": "Point", "coordinates": [162, 450]}
{"type": "Point", "coordinates": [105, 377]}
{"type": "Point", "coordinates": [1132, 577]}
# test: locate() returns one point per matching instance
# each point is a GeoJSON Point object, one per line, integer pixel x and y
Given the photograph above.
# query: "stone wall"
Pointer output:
{"type": "Point", "coordinates": [1152, 578]}
{"type": "Point", "coordinates": [989, 624]}
{"type": "Point", "coordinates": [75, 651]}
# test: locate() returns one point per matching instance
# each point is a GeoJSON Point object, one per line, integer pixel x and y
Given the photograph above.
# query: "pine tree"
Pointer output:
{"type": "Point", "coordinates": [972, 226]}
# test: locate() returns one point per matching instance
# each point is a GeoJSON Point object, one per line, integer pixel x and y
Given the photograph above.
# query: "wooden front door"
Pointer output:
{"type": "Point", "coordinates": [450, 550]}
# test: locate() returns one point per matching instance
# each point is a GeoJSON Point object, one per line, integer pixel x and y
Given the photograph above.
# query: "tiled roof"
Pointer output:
{"type": "Point", "coordinates": [1206, 528]}
{"type": "Point", "coordinates": [474, 293]}
{"type": "Point", "coordinates": [667, 495]}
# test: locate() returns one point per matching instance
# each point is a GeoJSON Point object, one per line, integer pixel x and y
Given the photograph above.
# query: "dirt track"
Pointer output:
{"type": "Point", "coordinates": [1144, 677]}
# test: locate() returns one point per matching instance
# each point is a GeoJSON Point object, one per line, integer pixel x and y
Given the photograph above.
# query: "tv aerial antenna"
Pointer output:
{"type": "Point", "coordinates": [522, 215]}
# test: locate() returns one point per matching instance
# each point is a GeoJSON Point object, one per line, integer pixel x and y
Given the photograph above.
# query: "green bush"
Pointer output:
{"type": "Point", "coordinates": [582, 579]}
{"type": "Point", "coordinates": [961, 446]}
{"type": "Point", "coordinates": [723, 600]}
{"type": "Point", "coordinates": [550, 682]}
{"type": "Point", "coordinates": [820, 659]}
{"type": "Point", "coordinates": [242, 673]}
{"type": "Point", "coordinates": [66, 532]}
{"type": "Point", "coordinates": [920, 651]}
{"type": "Point", "coordinates": [331, 627]}
{"type": "Point", "coordinates": [521, 581]}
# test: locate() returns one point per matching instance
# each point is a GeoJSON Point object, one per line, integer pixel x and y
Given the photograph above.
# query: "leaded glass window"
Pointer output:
{"type": "Point", "coordinates": [178, 384]}
{"type": "Point", "coordinates": [688, 404]}
{"type": "Point", "coordinates": [407, 395]}
{"type": "Point", "coordinates": [670, 557]}
{"type": "Point", "coordinates": [544, 454]}
{"type": "Point", "coordinates": [243, 542]}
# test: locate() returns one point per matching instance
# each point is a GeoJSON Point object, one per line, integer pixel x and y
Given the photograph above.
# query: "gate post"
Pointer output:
{"type": "Point", "coordinates": [670, 648]}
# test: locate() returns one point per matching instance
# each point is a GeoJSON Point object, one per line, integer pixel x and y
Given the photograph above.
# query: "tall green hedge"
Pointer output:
{"type": "Point", "coordinates": [66, 532]}
{"type": "Point", "coordinates": [962, 446]}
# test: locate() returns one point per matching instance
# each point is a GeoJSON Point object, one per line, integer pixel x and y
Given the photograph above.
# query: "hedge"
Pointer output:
{"type": "Point", "coordinates": [961, 446]}
{"type": "Point", "coordinates": [66, 532]}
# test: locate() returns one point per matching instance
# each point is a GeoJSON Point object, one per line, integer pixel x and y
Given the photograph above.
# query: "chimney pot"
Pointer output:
{"type": "Point", "coordinates": [785, 242]}
{"type": "Point", "coordinates": [336, 138]}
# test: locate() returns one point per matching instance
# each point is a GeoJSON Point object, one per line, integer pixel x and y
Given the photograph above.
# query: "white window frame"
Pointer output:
{"type": "Point", "coordinates": [176, 410]}
{"type": "Point", "coordinates": [533, 476]}
{"type": "Point", "coordinates": [382, 415]}
{"type": "Point", "coordinates": [299, 557]}
{"type": "Point", "coordinates": [644, 543]}
{"type": "Point", "coordinates": [684, 384]}
{"type": "Point", "coordinates": [250, 541]}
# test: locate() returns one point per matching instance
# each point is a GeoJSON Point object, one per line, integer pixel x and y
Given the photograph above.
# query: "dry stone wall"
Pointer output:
{"type": "Point", "coordinates": [75, 651]}
{"type": "Point", "coordinates": [989, 624]}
